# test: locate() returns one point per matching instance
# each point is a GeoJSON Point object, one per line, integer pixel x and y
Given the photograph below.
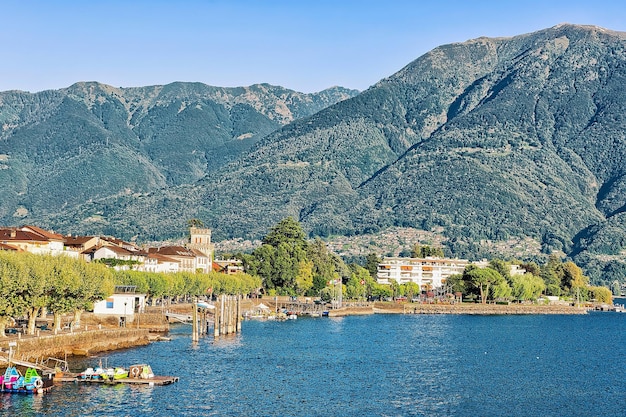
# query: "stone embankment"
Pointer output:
{"type": "Point", "coordinates": [96, 334]}
{"type": "Point", "coordinates": [482, 309]}
{"type": "Point", "coordinates": [80, 343]}
{"type": "Point", "coordinates": [464, 308]}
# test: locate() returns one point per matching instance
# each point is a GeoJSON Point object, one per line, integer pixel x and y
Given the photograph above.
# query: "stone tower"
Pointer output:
{"type": "Point", "coordinates": [201, 240]}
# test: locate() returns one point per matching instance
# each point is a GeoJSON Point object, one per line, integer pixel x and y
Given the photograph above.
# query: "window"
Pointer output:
{"type": "Point", "coordinates": [109, 303]}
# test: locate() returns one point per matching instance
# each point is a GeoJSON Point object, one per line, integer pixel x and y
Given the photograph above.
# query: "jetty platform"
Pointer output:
{"type": "Point", "coordinates": [156, 380]}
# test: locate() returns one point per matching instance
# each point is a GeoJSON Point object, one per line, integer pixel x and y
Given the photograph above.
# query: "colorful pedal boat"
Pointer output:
{"type": "Point", "coordinates": [13, 381]}
{"type": "Point", "coordinates": [10, 377]}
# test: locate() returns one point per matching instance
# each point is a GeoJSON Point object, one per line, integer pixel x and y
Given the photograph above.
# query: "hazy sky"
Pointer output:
{"type": "Point", "coordinates": [305, 45]}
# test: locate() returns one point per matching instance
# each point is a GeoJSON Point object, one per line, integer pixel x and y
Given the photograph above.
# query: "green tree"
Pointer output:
{"type": "Point", "coordinates": [420, 251]}
{"type": "Point", "coordinates": [12, 276]}
{"type": "Point", "coordinates": [527, 287]}
{"type": "Point", "coordinates": [550, 273]}
{"type": "Point", "coordinates": [411, 290]}
{"type": "Point", "coordinates": [277, 262]}
{"type": "Point", "coordinates": [503, 268]}
{"type": "Point", "coordinates": [483, 279]}
{"type": "Point", "coordinates": [304, 279]}
{"type": "Point", "coordinates": [456, 283]}
{"type": "Point", "coordinates": [602, 295]}
{"type": "Point", "coordinates": [287, 231]}
{"type": "Point", "coordinates": [572, 278]}
{"type": "Point", "coordinates": [371, 264]}
{"type": "Point", "coordinates": [324, 264]}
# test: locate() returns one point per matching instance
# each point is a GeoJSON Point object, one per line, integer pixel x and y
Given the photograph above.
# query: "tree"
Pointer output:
{"type": "Point", "coordinates": [616, 288]}
{"type": "Point", "coordinates": [324, 264]}
{"type": "Point", "coordinates": [602, 295]}
{"type": "Point", "coordinates": [12, 276]}
{"type": "Point", "coordinates": [550, 273]}
{"type": "Point", "coordinates": [304, 279]}
{"type": "Point", "coordinates": [411, 290]}
{"type": "Point", "coordinates": [371, 264]}
{"type": "Point", "coordinates": [503, 268]}
{"type": "Point", "coordinates": [287, 231]}
{"type": "Point", "coordinates": [419, 251]}
{"type": "Point", "coordinates": [572, 278]}
{"type": "Point", "coordinates": [195, 223]}
{"type": "Point", "coordinates": [483, 279]}
{"type": "Point", "coordinates": [527, 287]}
{"type": "Point", "coordinates": [456, 283]}
{"type": "Point", "coordinates": [278, 261]}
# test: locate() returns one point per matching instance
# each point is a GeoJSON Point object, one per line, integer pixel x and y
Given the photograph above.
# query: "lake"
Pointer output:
{"type": "Point", "coordinates": [379, 365]}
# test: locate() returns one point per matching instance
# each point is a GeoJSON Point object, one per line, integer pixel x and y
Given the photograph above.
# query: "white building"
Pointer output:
{"type": "Point", "coordinates": [124, 303]}
{"type": "Point", "coordinates": [428, 273]}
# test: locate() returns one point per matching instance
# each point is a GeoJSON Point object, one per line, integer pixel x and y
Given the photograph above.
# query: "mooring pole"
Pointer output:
{"type": "Point", "coordinates": [239, 313]}
{"type": "Point", "coordinates": [216, 320]}
{"type": "Point", "coordinates": [194, 321]}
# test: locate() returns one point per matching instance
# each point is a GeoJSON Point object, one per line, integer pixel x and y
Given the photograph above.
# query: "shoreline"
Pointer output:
{"type": "Point", "coordinates": [464, 308]}
{"type": "Point", "coordinates": [86, 342]}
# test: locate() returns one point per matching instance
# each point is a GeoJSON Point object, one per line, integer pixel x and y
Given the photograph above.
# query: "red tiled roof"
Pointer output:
{"type": "Point", "coordinates": [45, 233]}
{"type": "Point", "coordinates": [77, 240]}
{"type": "Point", "coordinates": [118, 250]}
{"type": "Point", "coordinates": [17, 235]}
{"type": "Point", "coordinates": [161, 258]}
{"type": "Point", "coordinates": [173, 251]}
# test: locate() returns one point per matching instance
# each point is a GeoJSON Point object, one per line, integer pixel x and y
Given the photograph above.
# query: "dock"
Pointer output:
{"type": "Point", "coordinates": [156, 380]}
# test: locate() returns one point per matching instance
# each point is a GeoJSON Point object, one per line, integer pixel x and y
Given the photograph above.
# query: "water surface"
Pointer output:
{"type": "Point", "coordinates": [381, 365]}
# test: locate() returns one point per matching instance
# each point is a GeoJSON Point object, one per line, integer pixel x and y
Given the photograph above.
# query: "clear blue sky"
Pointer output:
{"type": "Point", "coordinates": [305, 45]}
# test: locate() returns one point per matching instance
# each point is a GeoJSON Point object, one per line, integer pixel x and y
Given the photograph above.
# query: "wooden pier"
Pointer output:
{"type": "Point", "coordinates": [156, 380]}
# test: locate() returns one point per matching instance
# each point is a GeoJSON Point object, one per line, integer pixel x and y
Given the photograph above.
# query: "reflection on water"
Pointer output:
{"type": "Point", "coordinates": [381, 365]}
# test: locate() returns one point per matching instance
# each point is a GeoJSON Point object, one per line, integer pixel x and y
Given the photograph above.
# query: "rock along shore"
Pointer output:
{"type": "Point", "coordinates": [463, 308]}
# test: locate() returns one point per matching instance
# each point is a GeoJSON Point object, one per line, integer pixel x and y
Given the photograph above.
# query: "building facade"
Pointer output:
{"type": "Point", "coordinates": [428, 273]}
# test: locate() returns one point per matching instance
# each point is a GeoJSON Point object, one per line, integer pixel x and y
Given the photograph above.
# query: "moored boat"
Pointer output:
{"type": "Point", "coordinates": [10, 377]}
{"type": "Point", "coordinates": [141, 371]}
{"type": "Point", "coordinates": [30, 383]}
{"type": "Point", "coordinates": [120, 373]}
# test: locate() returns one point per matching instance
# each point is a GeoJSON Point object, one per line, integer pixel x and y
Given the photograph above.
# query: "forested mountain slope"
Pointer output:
{"type": "Point", "coordinates": [485, 140]}
{"type": "Point", "coordinates": [60, 148]}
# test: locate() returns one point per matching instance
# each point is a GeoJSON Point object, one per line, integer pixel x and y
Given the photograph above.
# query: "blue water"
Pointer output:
{"type": "Point", "coordinates": [381, 365]}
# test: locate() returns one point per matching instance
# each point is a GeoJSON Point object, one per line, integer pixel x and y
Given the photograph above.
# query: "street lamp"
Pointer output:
{"type": "Point", "coordinates": [125, 313]}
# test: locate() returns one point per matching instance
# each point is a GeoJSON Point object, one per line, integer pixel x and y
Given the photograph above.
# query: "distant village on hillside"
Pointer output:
{"type": "Point", "coordinates": [197, 255]}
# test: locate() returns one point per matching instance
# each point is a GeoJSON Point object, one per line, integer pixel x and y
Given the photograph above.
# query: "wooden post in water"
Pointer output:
{"type": "Point", "coordinates": [194, 322]}
{"type": "Point", "coordinates": [216, 320]}
{"type": "Point", "coordinates": [238, 313]}
{"type": "Point", "coordinates": [223, 315]}
{"type": "Point", "coordinates": [229, 322]}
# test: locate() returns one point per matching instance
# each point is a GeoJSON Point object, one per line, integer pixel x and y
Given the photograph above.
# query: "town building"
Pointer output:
{"type": "Point", "coordinates": [32, 239]}
{"type": "Point", "coordinates": [428, 273]}
{"type": "Point", "coordinates": [228, 266]}
{"type": "Point", "coordinates": [124, 303]}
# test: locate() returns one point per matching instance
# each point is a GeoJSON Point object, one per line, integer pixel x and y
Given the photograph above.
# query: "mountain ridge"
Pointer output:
{"type": "Point", "coordinates": [492, 139]}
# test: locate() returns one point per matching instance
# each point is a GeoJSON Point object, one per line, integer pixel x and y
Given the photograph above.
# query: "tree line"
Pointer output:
{"type": "Point", "coordinates": [288, 264]}
{"type": "Point", "coordinates": [32, 285]}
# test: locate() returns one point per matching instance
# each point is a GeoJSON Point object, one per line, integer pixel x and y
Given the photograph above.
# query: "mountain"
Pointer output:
{"type": "Point", "coordinates": [485, 143]}
{"type": "Point", "coordinates": [63, 148]}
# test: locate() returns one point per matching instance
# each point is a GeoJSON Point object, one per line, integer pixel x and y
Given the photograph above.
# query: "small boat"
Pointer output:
{"type": "Point", "coordinates": [10, 377]}
{"type": "Point", "coordinates": [141, 371]}
{"type": "Point", "coordinates": [98, 373]}
{"type": "Point", "coordinates": [87, 373]}
{"type": "Point", "coordinates": [120, 373]}
{"type": "Point", "coordinates": [30, 383]}
{"type": "Point", "coordinates": [204, 304]}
